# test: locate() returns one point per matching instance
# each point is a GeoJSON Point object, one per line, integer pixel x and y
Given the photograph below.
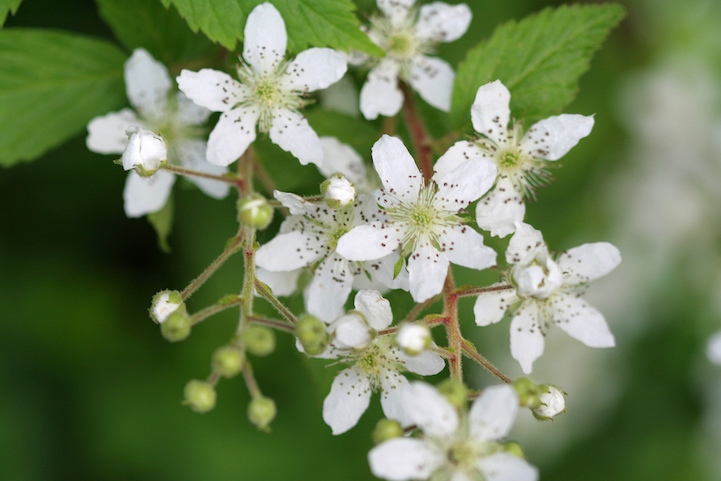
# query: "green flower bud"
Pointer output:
{"type": "Point", "coordinates": [200, 396]}
{"type": "Point", "coordinates": [512, 447]}
{"type": "Point", "coordinates": [227, 361]}
{"type": "Point", "coordinates": [261, 412]}
{"type": "Point", "coordinates": [177, 326]}
{"type": "Point", "coordinates": [337, 191]}
{"type": "Point", "coordinates": [528, 392]}
{"type": "Point", "coordinates": [312, 334]}
{"type": "Point", "coordinates": [386, 429]}
{"type": "Point", "coordinates": [164, 304]}
{"type": "Point", "coordinates": [258, 340]}
{"type": "Point", "coordinates": [254, 211]}
{"type": "Point", "coordinates": [454, 391]}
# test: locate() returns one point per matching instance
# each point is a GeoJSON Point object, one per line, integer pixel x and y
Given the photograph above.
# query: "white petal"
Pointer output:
{"type": "Point", "coordinates": [147, 84]}
{"type": "Point", "coordinates": [232, 135]}
{"type": "Point", "coordinates": [499, 211]}
{"type": "Point", "coordinates": [380, 94]}
{"type": "Point", "coordinates": [401, 459]}
{"type": "Point", "coordinates": [581, 321]}
{"type": "Point", "coordinates": [340, 157]}
{"type": "Point", "coordinates": [212, 89]}
{"type": "Point", "coordinates": [290, 131]}
{"type": "Point", "coordinates": [427, 271]}
{"type": "Point", "coordinates": [106, 134]}
{"type": "Point", "coordinates": [431, 411]}
{"type": "Point", "coordinates": [351, 332]}
{"type": "Point", "coordinates": [553, 137]}
{"type": "Point", "coordinates": [490, 307]}
{"type": "Point", "coordinates": [145, 195]}
{"type": "Point", "coordinates": [348, 399]}
{"type": "Point", "coordinates": [290, 251]}
{"type": "Point", "coordinates": [524, 245]}
{"type": "Point", "coordinates": [374, 308]}
{"type": "Point", "coordinates": [459, 153]}
{"type": "Point", "coordinates": [491, 415]}
{"type": "Point", "coordinates": [366, 242]}
{"type": "Point", "coordinates": [526, 337]}
{"type": "Point", "coordinates": [464, 246]}
{"type": "Point", "coordinates": [395, 10]}
{"type": "Point", "coordinates": [382, 271]}
{"type": "Point", "coordinates": [490, 112]}
{"type": "Point", "coordinates": [433, 79]}
{"type": "Point", "coordinates": [713, 348]}
{"type": "Point", "coordinates": [441, 22]}
{"type": "Point", "coordinates": [392, 386]}
{"type": "Point", "coordinates": [327, 292]}
{"type": "Point", "coordinates": [464, 184]}
{"type": "Point", "coordinates": [192, 156]}
{"type": "Point", "coordinates": [588, 261]}
{"type": "Point", "coordinates": [396, 168]}
{"type": "Point", "coordinates": [313, 69]}
{"type": "Point", "coordinates": [281, 283]}
{"type": "Point", "coordinates": [506, 467]}
{"type": "Point", "coordinates": [190, 113]}
{"type": "Point", "coordinates": [146, 150]}
{"type": "Point", "coordinates": [265, 38]}
{"type": "Point", "coordinates": [427, 363]}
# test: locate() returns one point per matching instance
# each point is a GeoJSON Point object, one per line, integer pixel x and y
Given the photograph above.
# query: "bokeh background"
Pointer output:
{"type": "Point", "coordinates": [90, 390]}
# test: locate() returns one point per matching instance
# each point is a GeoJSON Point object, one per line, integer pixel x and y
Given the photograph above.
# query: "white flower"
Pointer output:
{"type": "Point", "coordinates": [407, 35]}
{"type": "Point", "coordinates": [269, 94]}
{"type": "Point", "coordinates": [520, 158]}
{"type": "Point", "coordinates": [713, 348]}
{"type": "Point", "coordinates": [375, 364]}
{"type": "Point", "coordinates": [549, 292]}
{"type": "Point", "coordinates": [309, 236]}
{"type": "Point", "coordinates": [414, 338]}
{"type": "Point", "coordinates": [340, 157]}
{"type": "Point", "coordinates": [422, 219]}
{"type": "Point", "coordinates": [452, 447]}
{"type": "Point", "coordinates": [159, 109]}
{"type": "Point", "coordinates": [338, 191]}
{"type": "Point", "coordinates": [553, 402]}
{"type": "Point", "coordinates": [146, 151]}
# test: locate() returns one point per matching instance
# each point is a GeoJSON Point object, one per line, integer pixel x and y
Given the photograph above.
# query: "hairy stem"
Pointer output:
{"type": "Point", "coordinates": [230, 249]}
{"type": "Point", "coordinates": [421, 140]}
{"type": "Point", "coordinates": [470, 352]}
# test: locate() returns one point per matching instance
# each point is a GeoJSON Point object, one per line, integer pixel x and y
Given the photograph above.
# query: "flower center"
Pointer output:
{"type": "Point", "coordinates": [334, 235]}
{"type": "Point", "coordinates": [267, 93]}
{"type": "Point", "coordinates": [510, 160]}
{"type": "Point", "coordinates": [401, 44]}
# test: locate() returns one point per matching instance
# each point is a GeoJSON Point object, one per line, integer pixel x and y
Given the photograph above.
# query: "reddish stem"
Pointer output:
{"type": "Point", "coordinates": [421, 140]}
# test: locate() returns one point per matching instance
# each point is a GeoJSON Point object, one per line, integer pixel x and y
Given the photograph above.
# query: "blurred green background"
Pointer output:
{"type": "Point", "coordinates": [90, 390]}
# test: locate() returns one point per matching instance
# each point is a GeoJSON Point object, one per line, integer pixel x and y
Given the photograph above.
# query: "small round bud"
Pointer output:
{"type": "Point", "coordinates": [261, 412]}
{"type": "Point", "coordinates": [352, 332]}
{"type": "Point", "coordinates": [553, 402]}
{"type": "Point", "coordinates": [227, 361]}
{"type": "Point", "coordinates": [258, 340]}
{"type": "Point", "coordinates": [454, 391]}
{"type": "Point", "coordinates": [145, 152]}
{"type": "Point", "coordinates": [386, 429]}
{"type": "Point", "coordinates": [337, 191]}
{"type": "Point", "coordinates": [254, 211]}
{"type": "Point", "coordinates": [529, 393]}
{"type": "Point", "coordinates": [200, 396]}
{"type": "Point", "coordinates": [177, 326]}
{"type": "Point", "coordinates": [414, 338]}
{"type": "Point", "coordinates": [312, 334]}
{"type": "Point", "coordinates": [164, 304]}
{"type": "Point", "coordinates": [513, 448]}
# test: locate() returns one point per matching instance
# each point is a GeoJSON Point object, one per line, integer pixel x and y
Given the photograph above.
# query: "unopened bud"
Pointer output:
{"type": "Point", "coordinates": [386, 429]}
{"type": "Point", "coordinates": [255, 211]}
{"type": "Point", "coordinates": [414, 338]}
{"type": "Point", "coordinates": [177, 325]}
{"type": "Point", "coordinates": [145, 152]}
{"type": "Point", "coordinates": [337, 191]}
{"type": "Point", "coordinates": [227, 361]}
{"type": "Point", "coordinates": [553, 402]}
{"type": "Point", "coordinates": [454, 391]}
{"type": "Point", "coordinates": [261, 412]}
{"type": "Point", "coordinates": [258, 340]}
{"type": "Point", "coordinates": [529, 393]}
{"type": "Point", "coordinates": [352, 332]}
{"type": "Point", "coordinates": [312, 334]}
{"type": "Point", "coordinates": [200, 396]}
{"type": "Point", "coordinates": [164, 304]}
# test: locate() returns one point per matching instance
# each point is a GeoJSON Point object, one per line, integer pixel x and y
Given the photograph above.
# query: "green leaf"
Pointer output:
{"type": "Point", "coordinates": [162, 222]}
{"type": "Point", "coordinates": [538, 59]}
{"type": "Point", "coordinates": [51, 84]}
{"type": "Point", "coordinates": [317, 23]}
{"type": "Point", "coordinates": [145, 23]}
{"type": "Point", "coordinates": [6, 6]}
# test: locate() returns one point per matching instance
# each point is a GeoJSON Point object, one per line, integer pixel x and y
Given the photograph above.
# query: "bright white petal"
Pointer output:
{"type": "Point", "coordinates": [147, 84]}
{"type": "Point", "coordinates": [382, 271]}
{"type": "Point", "coordinates": [232, 135]}
{"type": "Point", "coordinates": [265, 38]}
{"type": "Point", "coordinates": [348, 399]}
{"type": "Point", "coordinates": [588, 261]}
{"type": "Point", "coordinates": [351, 332]}
{"type": "Point", "coordinates": [427, 363]}
{"type": "Point", "coordinates": [433, 79]}
{"type": "Point", "coordinates": [281, 283]}
{"type": "Point", "coordinates": [491, 415]}
{"type": "Point", "coordinates": [327, 292]}
{"type": "Point", "coordinates": [526, 337]}
{"type": "Point", "coordinates": [106, 134]}
{"type": "Point", "coordinates": [581, 321]}
{"type": "Point", "coordinates": [553, 137]}
{"type": "Point", "coordinates": [441, 22]}
{"type": "Point", "coordinates": [145, 195]}
{"type": "Point", "coordinates": [464, 184]}
{"type": "Point", "coordinates": [524, 245]}
{"type": "Point", "coordinates": [313, 69]}
{"type": "Point", "coordinates": [190, 113]}
{"type": "Point", "coordinates": [464, 246]}
{"type": "Point", "coordinates": [713, 348]}
{"type": "Point", "coordinates": [427, 271]}
{"type": "Point", "coordinates": [490, 307]}
{"type": "Point", "coordinates": [506, 467]}
{"type": "Point", "coordinates": [499, 211]}
{"type": "Point", "coordinates": [490, 112]}
{"type": "Point", "coordinates": [192, 156]}
{"type": "Point", "coordinates": [431, 411]}
{"type": "Point", "coordinates": [459, 153]}
{"type": "Point", "coordinates": [392, 385]}
{"type": "Point", "coordinates": [395, 10]}
{"type": "Point", "coordinates": [396, 168]}
{"type": "Point", "coordinates": [290, 251]}
{"type": "Point", "coordinates": [290, 131]}
{"type": "Point", "coordinates": [340, 157]}
{"type": "Point", "coordinates": [374, 308]}
{"type": "Point", "coordinates": [380, 94]}
{"type": "Point", "coordinates": [212, 89]}
{"type": "Point", "coordinates": [401, 459]}
{"type": "Point", "coordinates": [366, 242]}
